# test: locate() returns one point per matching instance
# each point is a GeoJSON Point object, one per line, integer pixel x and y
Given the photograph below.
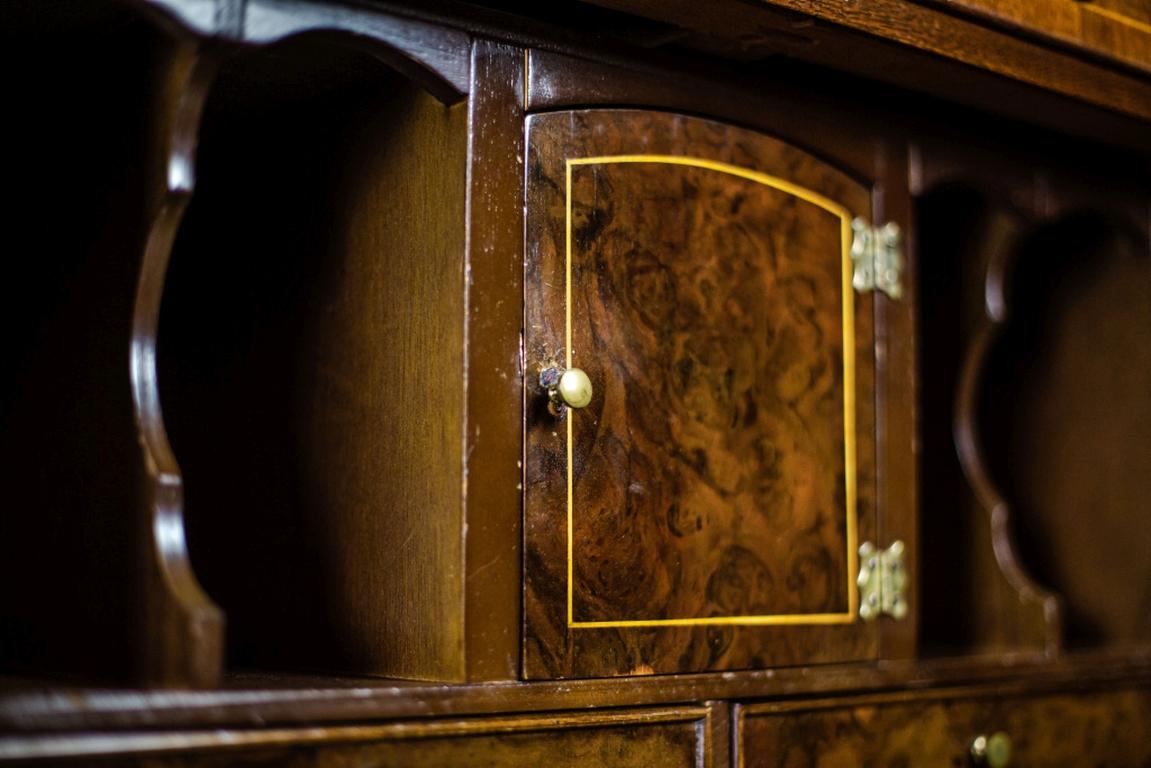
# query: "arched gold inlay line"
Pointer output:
{"type": "Point", "coordinates": [849, 448]}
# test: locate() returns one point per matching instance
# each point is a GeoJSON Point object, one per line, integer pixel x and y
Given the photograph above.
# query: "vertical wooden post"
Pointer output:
{"type": "Point", "coordinates": [182, 629]}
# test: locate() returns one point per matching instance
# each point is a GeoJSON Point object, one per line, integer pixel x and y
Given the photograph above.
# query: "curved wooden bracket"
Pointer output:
{"type": "Point", "coordinates": [1001, 242]}
{"type": "Point", "coordinates": [438, 58]}
{"type": "Point", "coordinates": [185, 630]}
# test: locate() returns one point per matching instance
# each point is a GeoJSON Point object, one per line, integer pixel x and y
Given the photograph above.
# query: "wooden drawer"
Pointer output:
{"type": "Point", "coordinates": [639, 738]}
{"type": "Point", "coordinates": [1103, 729]}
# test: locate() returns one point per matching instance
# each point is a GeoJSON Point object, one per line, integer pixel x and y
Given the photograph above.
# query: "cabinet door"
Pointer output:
{"type": "Point", "coordinates": [704, 511]}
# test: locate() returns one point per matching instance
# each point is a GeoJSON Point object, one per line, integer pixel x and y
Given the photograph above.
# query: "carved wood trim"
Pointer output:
{"type": "Point", "coordinates": [1000, 245]}
{"type": "Point", "coordinates": [184, 629]}
{"type": "Point", "coordinates": [438, 58]}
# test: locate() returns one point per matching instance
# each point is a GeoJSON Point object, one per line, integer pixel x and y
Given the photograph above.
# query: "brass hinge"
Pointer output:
{"type": "Point", "coordinates": [877, 254]}
{"type": "Point", "coordinates": [882, 582]}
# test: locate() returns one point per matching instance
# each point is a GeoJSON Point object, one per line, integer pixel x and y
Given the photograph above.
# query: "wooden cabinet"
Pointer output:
{"type": "Point", "coordinates": [706, 510]}
{"type": "Point", "coordinates": [350, 248]}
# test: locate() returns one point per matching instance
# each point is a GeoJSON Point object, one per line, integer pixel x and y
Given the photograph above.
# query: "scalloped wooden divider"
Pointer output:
{"type": "Point", "coordinates": [185, 630]}
{"type": "Point", "coordinates": [270, 255]}
{"type": "Point", "coordinates": [1040, 618]}
{"type": "Point", "coordinates": [95, 581]}
{"type": "Point", "coordinates": [184, 643]}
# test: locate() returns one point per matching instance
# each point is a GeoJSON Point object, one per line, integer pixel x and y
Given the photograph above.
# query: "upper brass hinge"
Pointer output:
{"type": "Point", "coordinates": [877, 254]}
{"type": "Point", "coordinates": [882, 582]}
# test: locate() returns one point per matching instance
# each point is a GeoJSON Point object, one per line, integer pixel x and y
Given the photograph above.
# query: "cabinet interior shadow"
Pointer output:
{"type": "Point", "coordinates": [1066, 411]}
{"type": "Point", "coordinates": [310, 347]}
{"type": "Point", "coordinates": [81, 171]}
{"type": "Point", "coordinates": [1064, 419]}
{"type": "Point", "coordinates": [954, 535]}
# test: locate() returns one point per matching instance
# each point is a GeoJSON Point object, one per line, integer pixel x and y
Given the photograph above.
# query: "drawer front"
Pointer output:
{"type": "Point", "coordinates": [704, 511]}
{"type": "Point", "coordinates": [635, 739]}
{"type": "Point", "coordinates": [1099, 729]}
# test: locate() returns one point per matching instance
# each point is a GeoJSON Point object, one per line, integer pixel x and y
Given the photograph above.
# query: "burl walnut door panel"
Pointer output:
{"type": "Point", "coordinates": [704, 511]}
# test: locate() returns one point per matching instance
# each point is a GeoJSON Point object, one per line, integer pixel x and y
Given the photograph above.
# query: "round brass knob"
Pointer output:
{"type": "Point", "coordinates": [994, 750]}
{"type": "Point", "coordinates": [574, 388]}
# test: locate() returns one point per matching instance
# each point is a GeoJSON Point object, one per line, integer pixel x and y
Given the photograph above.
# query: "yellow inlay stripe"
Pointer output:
{"type": "Point", "coordinates": [783, 185]}
{"type": "Point", "coordinates": [1121, 18]}
{"type": "Point", "coordinates": [568, 364]}
{"type": "Point", "coordinates": [849, 489]}
{"type": "Point", "coordinates": [849, 447]}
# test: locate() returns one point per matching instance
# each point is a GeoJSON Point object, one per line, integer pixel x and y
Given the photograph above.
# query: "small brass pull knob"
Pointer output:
{"type": "Point", "coordinates": [993, 750]}
{"type": "Point", "coordinates": [575, 388]}
{"type": "Point", "coordinates": [566, 389]}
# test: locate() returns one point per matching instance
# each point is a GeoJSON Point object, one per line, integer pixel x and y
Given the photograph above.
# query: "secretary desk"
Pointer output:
{"type": "Point", "coordinates": [614, 382]}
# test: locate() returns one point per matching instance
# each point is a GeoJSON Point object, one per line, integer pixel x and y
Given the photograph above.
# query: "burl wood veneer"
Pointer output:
{"type": "Point", "coordinates": [1113, 729]}
{"type": "Point", "coordinates": [721, 479]}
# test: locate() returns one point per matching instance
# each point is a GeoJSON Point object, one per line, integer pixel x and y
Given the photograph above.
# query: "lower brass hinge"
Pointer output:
{"type": "Point", "coordinates": [877, 256]}
{"type": "Point", "coordinates": [882, 582]}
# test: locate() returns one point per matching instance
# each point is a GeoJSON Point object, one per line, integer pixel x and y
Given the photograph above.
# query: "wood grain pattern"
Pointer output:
{"type": "Point", "coordinates": [1119, 30]}
{"type": "Point", "coordinates": [257, 700]}
{"type": "Point", "coordinates": [709, 471]}
{"type": "Point", "coordinates": [897, 347]}
{"type": "Point", "coordinates": [790, 109]}
{"type": "Point", "coordinates": [1105, 729]}
{"type": "Point", "coordinates": [883, 39]}
{"type": "Point", "coordinates": [317, 408]}
{"type": "Point", "coordinates": [493, 456]}
{"type": "Point", "coordinates": [668, 737]}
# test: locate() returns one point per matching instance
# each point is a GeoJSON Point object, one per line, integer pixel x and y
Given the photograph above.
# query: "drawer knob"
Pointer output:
{"type": "Point", "coordinates": [993, 750]}
{"type": "Point", "coordinates": [575, 388]}
{"type": "Point", "coordinates": [566, 389]}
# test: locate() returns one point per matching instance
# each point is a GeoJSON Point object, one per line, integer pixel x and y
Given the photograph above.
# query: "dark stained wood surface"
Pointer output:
{"type": "Point", "coordinates": [183, 630]}
{"type": "Point", "coordinates": [663, 737]}
{"type": "Point", "coordinates": [1105, 729]}
{"type": "Point", "coordinates": [317, 407]}
{"type": "Point", "coordinates": [70, 460]}
{"type": "Point", "coordinates": [933, 50]}
{"type": "Point", "coordinates": [95, 580]}
{"type": "Point", "coordinates": [970, 601]}
{"type": "Point", "coordinates": [1066, 401]}
{"type": "Point", "coordinates": [893, 41]}
{"type": "Point", "coordinates": [1060, 398]}
{"type": "Point", "coordinates": [1119, 30]}
{"type": "Point", "coordinates": [493, 456]}
{"type": "Point", "coordinates": [265, 700]}
{"type": "Point", "coordinates": [709, 479]}
{"type": "Point", "coordinates": [1039, 609]}
{"type": "Point", "coordinates": [434, 55]}
{"type": "Point", "coordinates": [795, 111]}
{"type": "Point", "coordinates": [896, 418]}
{"type": "Point", "coordinates": [789, 108]}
